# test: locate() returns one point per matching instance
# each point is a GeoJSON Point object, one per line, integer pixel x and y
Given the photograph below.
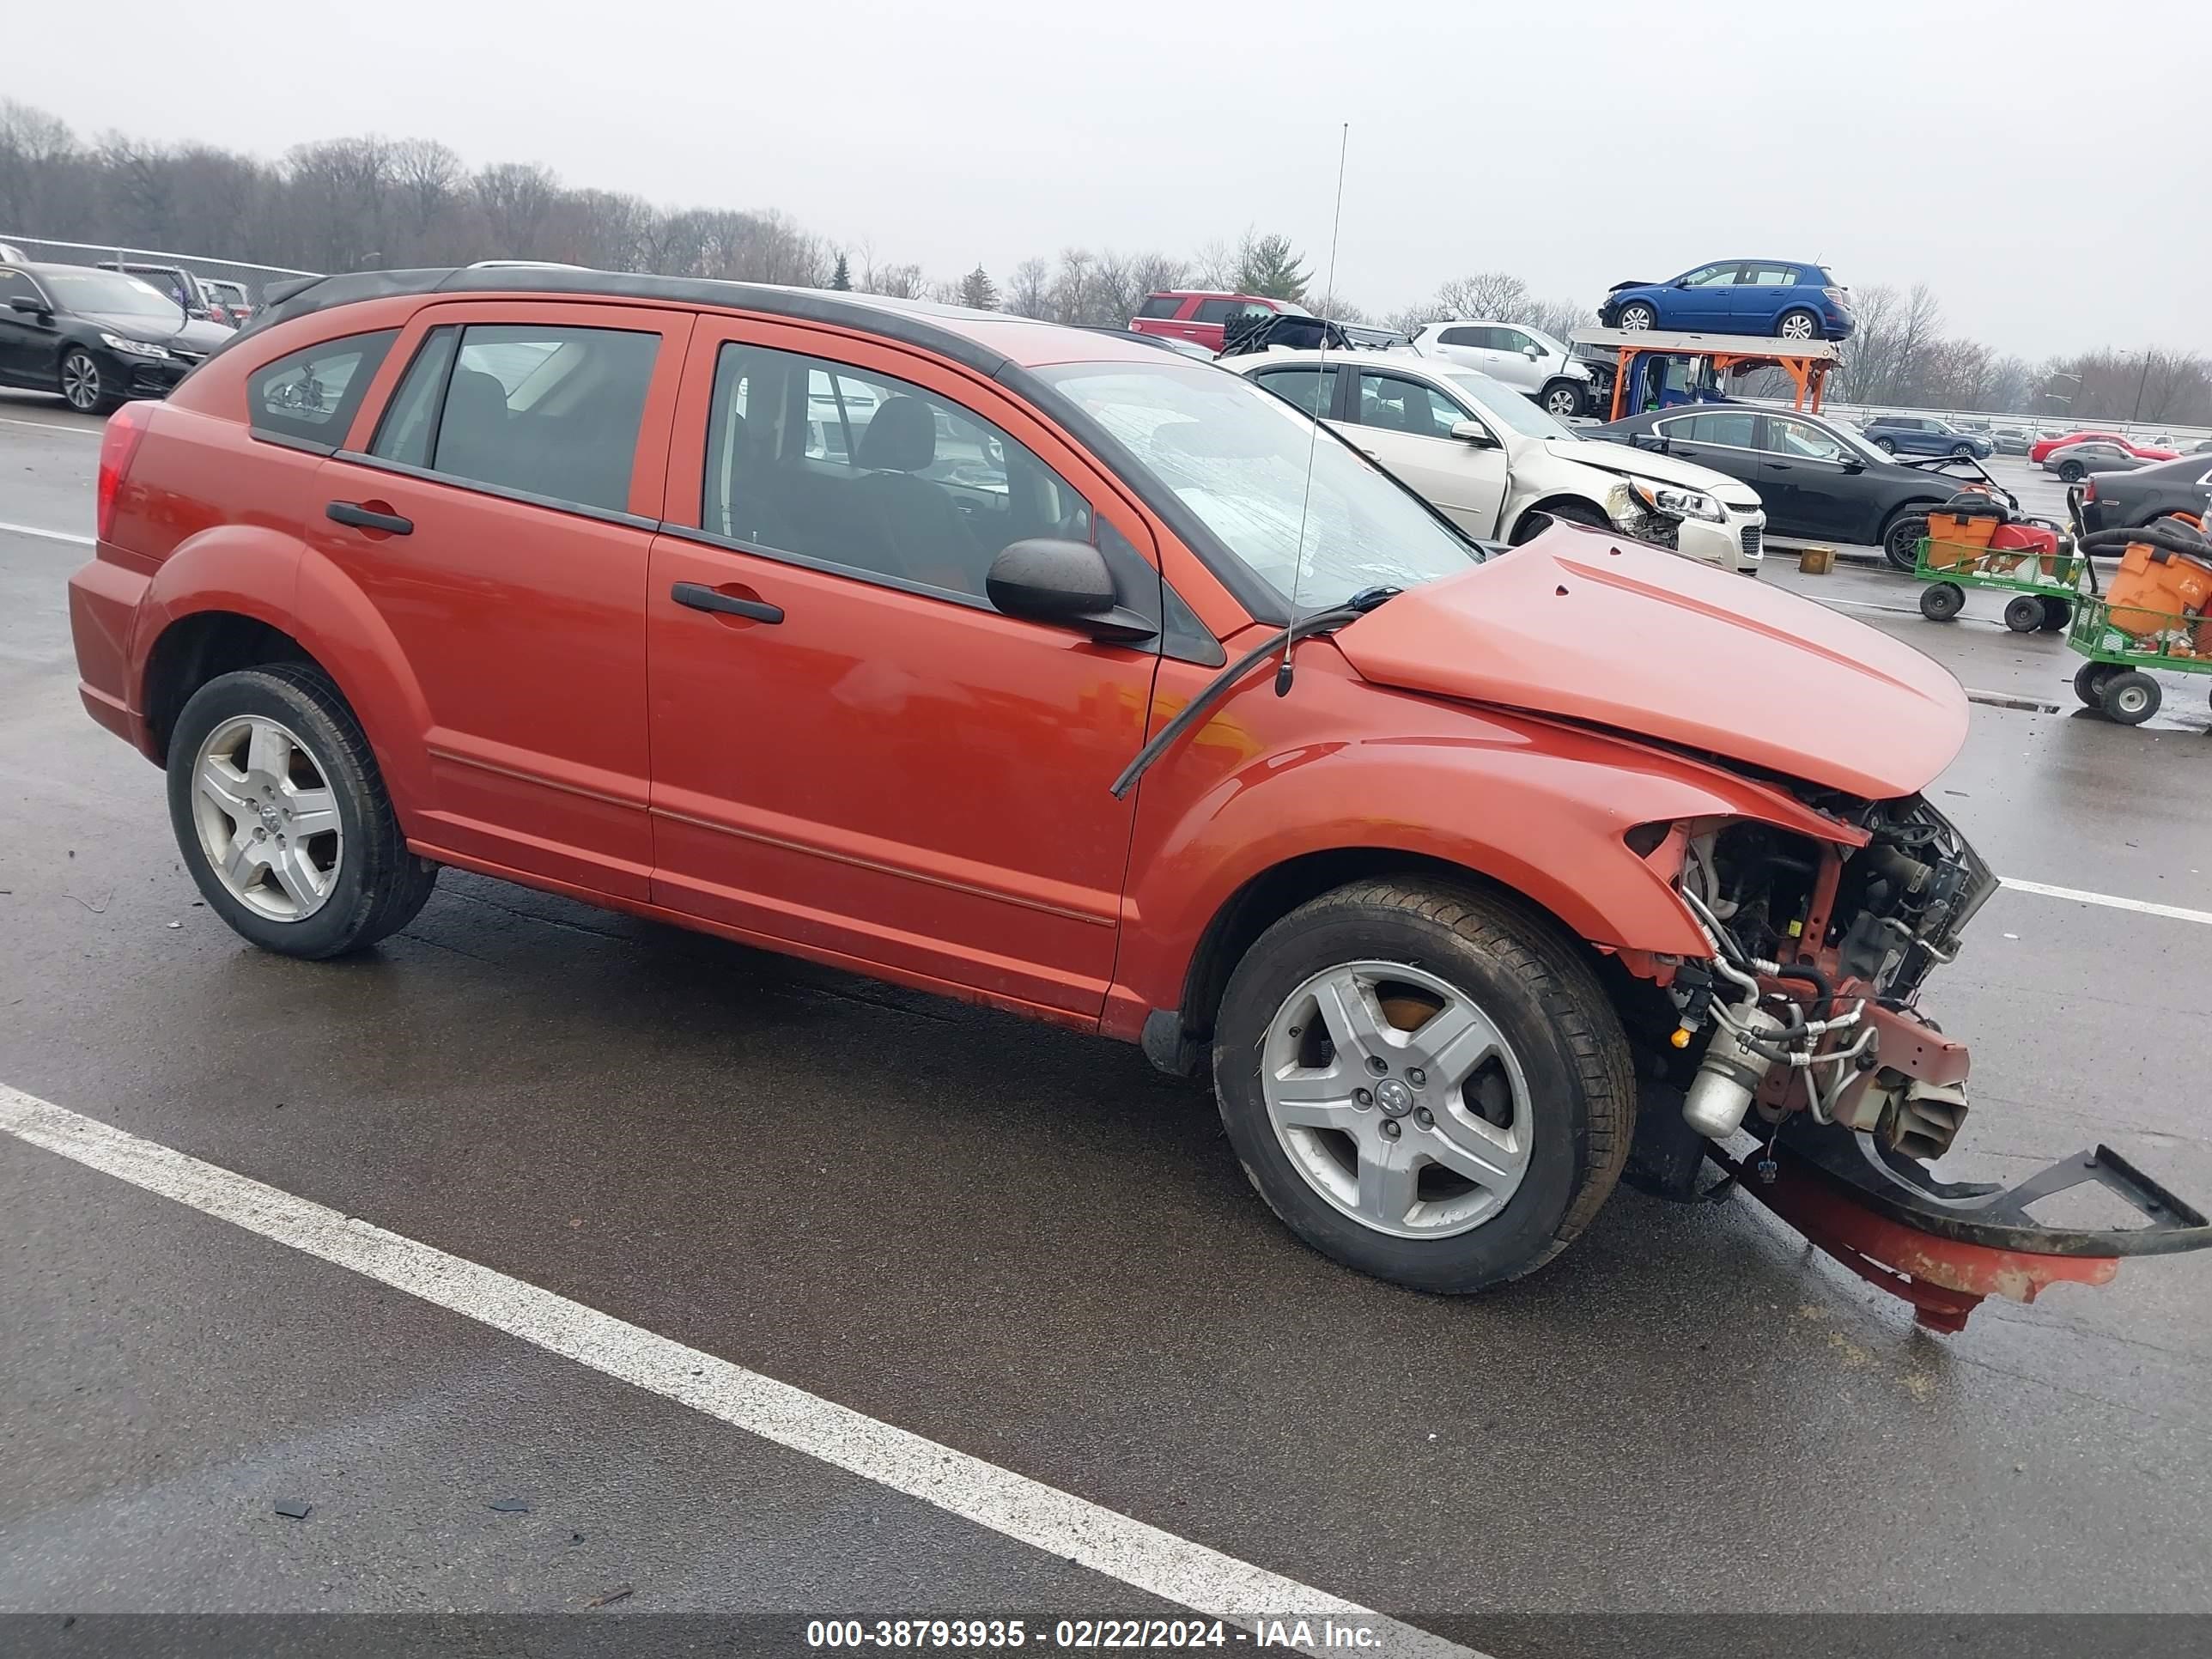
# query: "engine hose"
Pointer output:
{"type": "Point", "coordinates": [1813, 976]}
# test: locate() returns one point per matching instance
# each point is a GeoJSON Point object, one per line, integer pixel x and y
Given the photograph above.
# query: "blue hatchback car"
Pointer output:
{"type": "Point", "coordinates": [1779, 298]}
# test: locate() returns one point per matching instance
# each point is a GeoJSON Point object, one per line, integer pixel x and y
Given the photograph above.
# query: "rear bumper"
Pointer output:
{"type": "Point", "coordinates": [103, 604]}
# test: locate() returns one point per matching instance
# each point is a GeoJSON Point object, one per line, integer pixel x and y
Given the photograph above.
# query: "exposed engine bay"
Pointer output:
{"type": "Point", "coordinates": [1819, 951]}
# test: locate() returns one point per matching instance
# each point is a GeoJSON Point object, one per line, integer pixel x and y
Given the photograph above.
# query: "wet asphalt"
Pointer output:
{"type": "Point", "coordinates": [1024, 1243]}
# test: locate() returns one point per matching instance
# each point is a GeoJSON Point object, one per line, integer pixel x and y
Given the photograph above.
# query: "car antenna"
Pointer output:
{"type": "Point", "coordinates": [1321, 376]}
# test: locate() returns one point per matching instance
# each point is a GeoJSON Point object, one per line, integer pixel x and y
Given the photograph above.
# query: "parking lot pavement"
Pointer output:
{"type": "Point", "coordinates": [1018, 1242]}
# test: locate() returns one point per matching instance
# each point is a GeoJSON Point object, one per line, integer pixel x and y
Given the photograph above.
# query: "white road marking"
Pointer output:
{"type": "Point", "coordinates": [1157, 1563]}
{"type": "Point", "coordinates": [53, 426]}
{"type": "Point", "coordinates": [48, 535]}
{"type": "Point", "coordinates": [2110, 901]}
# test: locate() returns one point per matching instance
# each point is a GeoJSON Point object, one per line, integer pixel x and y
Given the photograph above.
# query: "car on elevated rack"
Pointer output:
{"type": "Point", "coordinates": [1503, 469]}
{"type": "Point", "coordinates": [1081, 681]}
{"type": "Point", "coordinates": [95, 336]}
{"type": "Point", "coordinates": [1820, 479]}
{"type": "Point", "coordinates": [1785, 298]}
{"type": "Point", "coordinates": [1527, 359]}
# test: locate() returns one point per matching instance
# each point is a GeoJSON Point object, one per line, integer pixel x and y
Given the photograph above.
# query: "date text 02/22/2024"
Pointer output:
{"type": "Point", "coordinates": [1085, 1634]}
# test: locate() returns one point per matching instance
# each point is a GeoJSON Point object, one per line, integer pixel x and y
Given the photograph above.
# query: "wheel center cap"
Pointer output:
{"type": "Point", "coordinates": [1394, 1097]}
{"type": "Point", "coordinates": [268, 815]}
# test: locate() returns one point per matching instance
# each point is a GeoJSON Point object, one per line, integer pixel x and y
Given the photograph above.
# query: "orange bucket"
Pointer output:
{"type": "Point", "coordinates": [2155, 591]}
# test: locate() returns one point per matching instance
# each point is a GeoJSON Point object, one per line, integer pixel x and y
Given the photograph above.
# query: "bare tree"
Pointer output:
{"type": "Point", "coordinates": [515, 198]}
{"type": "Point", "coordinates": [1216, 265]}
{"type": "Point", "coordinates": [1030, 293]}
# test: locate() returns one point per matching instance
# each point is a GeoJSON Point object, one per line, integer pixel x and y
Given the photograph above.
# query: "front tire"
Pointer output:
{"type": "Point", "coordinates": [1901, 538]}
{"type": "Point", "coordinates": [83, 386]}
{"type": "Point", "coordinates": [1942, 601]}
{"type": "Point", "coordinates": [283, 817]}
{"type": "Point", "coordinates": [2130, 697]}
{"type": "Point", "coordinates": [1535, 522]}
{"type": "Point", "coordinates": [1425, 1082]}
{"type": "Point", "coordinates": [1637, 317]}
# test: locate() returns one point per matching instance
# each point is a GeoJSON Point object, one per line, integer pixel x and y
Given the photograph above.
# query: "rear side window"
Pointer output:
{"type": "Point", "coordinates": [310, 397]}
{"type": "Point", "coordinates": [1461, 337]}
{"type": "Point", "coordinates": [1214, 310]}
{"type": "Point", "coordinates": [545, 411]}
{"type": "Point", "coordinates": [1160, 305]}
{"type": "Point", "coordinates": [1733, 429]}
{"type": "Point", "coordinates": [1313, 390]}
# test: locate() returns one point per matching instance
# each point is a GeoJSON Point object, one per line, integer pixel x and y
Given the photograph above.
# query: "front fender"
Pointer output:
{"type": "Point", "coordinates": [1540, 807]}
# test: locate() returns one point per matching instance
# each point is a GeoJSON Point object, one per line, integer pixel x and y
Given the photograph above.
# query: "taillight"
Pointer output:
{"type": "Point", "coordinates": [119, 448]}
{"type": "Point", "coordinates": [2089, 490]}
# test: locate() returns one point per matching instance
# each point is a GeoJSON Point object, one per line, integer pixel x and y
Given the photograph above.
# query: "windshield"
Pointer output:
{"type": "Point", "coordinates": [1236, 455]}
{"type": "Point", "coordinates": [1507, 408]}
{"type": "Point", "coordinates": [109, 294]}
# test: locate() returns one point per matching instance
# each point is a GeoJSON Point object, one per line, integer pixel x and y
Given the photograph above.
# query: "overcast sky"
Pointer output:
{"type": "Point", "coordinates": [2041, 163]}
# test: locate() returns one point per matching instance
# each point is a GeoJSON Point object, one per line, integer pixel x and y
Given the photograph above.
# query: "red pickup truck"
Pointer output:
{"type": "Point", "coordinates": [1203, 315]}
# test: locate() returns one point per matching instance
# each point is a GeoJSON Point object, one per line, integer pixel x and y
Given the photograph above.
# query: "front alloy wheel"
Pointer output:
{"type": "Point", "coordinates": [1396, 1099]}
{"type": "Point", "coordinates": [1637, 317]}
{"type": "Point", "coordinates": [268, 821]}
{"type": "Point", "coordinates": [1563, 403]}
{"type": "Point", "coordinates": [81, 383]}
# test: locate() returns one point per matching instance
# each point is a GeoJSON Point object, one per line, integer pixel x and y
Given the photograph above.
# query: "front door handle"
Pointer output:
{"type": "Point", "coordinates": [699, 597]}
{"type": "Point", "coordinates": [367, 518]}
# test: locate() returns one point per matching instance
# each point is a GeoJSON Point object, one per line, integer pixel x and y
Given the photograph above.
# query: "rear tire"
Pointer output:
{"type": "Point", "coordinates": [2024, 613]}
{"type": "Point", "coordinates": [333, 890]}
{"type": "Point", "coordinates": [1886, 444]}
{"type": "Point", "coordinates": [2071, 473]}
{"type": "Point", "coordinates": [2057, 615]}
{"type": "Point", "coordinates": [1941, 601]}
{"type": "Point", "coordinates": [1551, 1076]}
{"type": "Point", "coordinates": [1797, 325]}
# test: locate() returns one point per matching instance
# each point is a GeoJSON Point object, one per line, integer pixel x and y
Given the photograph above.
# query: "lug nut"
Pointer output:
{"type": "Point", "coordinates": [1425, 1117]}
{"type": "Point", "coordinates": [1362, 1099]}
{"type": "Point", "coordinates": [1389, 1128]}
{"type": "Point", "coordinates": [1416, 1076]}
{"type": "Point", "coordinates": [1377, 1064]}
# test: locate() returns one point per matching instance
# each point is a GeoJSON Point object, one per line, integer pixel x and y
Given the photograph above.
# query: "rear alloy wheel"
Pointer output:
{"type": "Point", "coordinates": [2023, 613]}
{"type": "Point", "coordinates": [281, 813]}
{"type": "Point", "coordinates": [1563, 400]}
{"type": "Point", "coordinates": [1885, 443]}
{"type": "Point", "coordinates": [82, 387]}
{"type": "Point", "coordinates": [1639, 316]}
{"type": "Point", "coordinates": [2072, 472]}
{"type": "Point", "coordinates": [1425, 1082]}
{"type": "Point", "coordinates": [1941, 601]}
{"type": "Point", "coordinates": [1798, 325]}
{"type": "Point", "coordinates": [2131, 698]}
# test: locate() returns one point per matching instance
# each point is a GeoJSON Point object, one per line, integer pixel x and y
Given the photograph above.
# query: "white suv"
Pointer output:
{"type": "Point", "coordinates": [1500, 468]}
{"type": "Point", "coordinates": [1527, 359]}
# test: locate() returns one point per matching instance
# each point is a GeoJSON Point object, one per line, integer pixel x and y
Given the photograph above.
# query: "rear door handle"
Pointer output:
{"type": "Point", "coordinates": [699, 597]}
{"type": "Point", "coordinates": [365, 517]}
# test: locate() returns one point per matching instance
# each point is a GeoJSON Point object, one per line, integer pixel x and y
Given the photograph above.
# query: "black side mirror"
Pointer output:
{"type": "Point", "coordinates": [28, 302]}
{"type": "Point", "coordinates": [1650, 441]}
{"type": "Point", "coordinates": [1853, 463]}
{"type": "Point", "coordinates": [1068, 584]}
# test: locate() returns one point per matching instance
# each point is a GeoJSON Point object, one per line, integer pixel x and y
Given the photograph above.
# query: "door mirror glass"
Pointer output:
{"type": "Point", "coordinates": [26, 303]}
{"type": "Point", "coordinates": [1066, 583]}
{"type": "Point", "coordinates": [1473, 433]}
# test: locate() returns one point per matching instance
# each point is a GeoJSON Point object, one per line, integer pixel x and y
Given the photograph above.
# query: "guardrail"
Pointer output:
{"type": "Point", "coordinates": [42, 250]}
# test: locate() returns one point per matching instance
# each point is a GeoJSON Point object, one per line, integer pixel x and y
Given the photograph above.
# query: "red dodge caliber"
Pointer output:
{"type": "Point", "coordinates": [1025, 666]}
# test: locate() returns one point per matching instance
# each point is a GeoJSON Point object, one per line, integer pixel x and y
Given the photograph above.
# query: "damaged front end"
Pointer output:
{"type": "Point", "coordinates": [1803, 1028]}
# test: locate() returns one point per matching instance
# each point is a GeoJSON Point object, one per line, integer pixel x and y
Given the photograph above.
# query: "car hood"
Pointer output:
{"type": "Point", "coordinates": [188, 332]}
{"type": "Point", "coordinates": [1619, 288]}
{"type": "Point", "coordinates": [1624, 459]}
{"type": "Point", "coordinates": [1587, 627]}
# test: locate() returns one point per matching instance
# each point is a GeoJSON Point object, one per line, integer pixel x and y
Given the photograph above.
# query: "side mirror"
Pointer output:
{"type": "Point", "coordinates": [1853, 463]}
{"type": "Point", "coordinates": [28, 302]}
{"type": "Point", "coordinates": [1532, 352]}
{"type": "Point", "coordinates": [1650, 441]}
{"type": "Point", "coordinates": [1067, 584]}
{"type": "Point", "coordinates": [1473, 433]}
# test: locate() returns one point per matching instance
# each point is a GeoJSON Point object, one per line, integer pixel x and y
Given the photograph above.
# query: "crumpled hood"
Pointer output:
{"type": "Point", "coordinates": [1648, 464]}
{"type": "Point", "coordinates": [1586, 626]}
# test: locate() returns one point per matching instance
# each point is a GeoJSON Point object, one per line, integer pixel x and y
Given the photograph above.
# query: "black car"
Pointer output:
{"type": "Point", "coordinates": [95, 336]}
{"type": "Point", "coordinates": [2129, 500]}
{"type": "Point", "coordinates": [1819, 482]}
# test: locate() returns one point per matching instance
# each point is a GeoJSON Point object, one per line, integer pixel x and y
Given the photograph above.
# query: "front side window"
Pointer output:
{"type": "Point", "coordinates": [858, 470]}
{"type": "Point", "coordinates": [1294, 507]}
{"type": "Point", "coordinates": [1394, 404]}
{"type": "Point", "coordinates": [547, 411]}
{"type": "Point", "coordinates": [1711, 276]}
{"type": "Point", "coordinates": [1312, 389]}
{"type": "Point", "coordinates": [312, 393]}
{"type": "Point", "coordinates": [1803, 440]}
{"type": "Point", "coordinates": [1512, 339]}
{"type": "Point", "coordinates": [15, 282]}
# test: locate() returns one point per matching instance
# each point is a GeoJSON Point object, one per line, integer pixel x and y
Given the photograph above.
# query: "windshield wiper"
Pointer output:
{"type": "Point", "coordinates": [1316, 622]}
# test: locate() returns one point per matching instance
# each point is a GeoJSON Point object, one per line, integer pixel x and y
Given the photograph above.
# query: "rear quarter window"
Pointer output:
{"type": "Point", "coordinates": [1160, 305]}
{"type": "Point", "coordinates": [309, 397]}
